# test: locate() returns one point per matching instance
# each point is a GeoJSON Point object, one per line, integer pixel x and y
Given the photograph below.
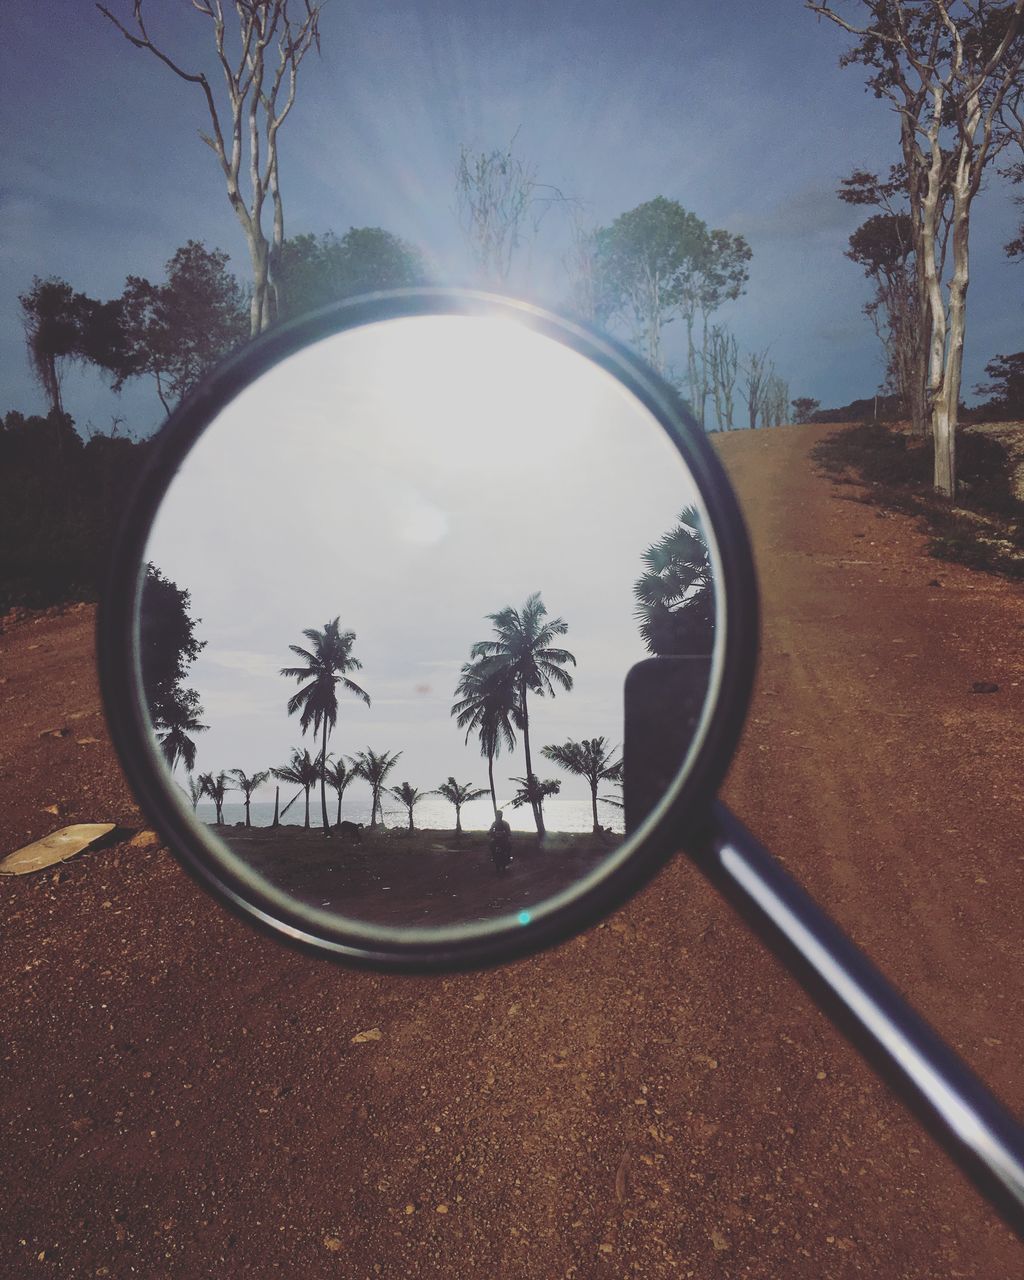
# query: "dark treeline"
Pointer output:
{"type": "Point", "coordinates": [60, 500]}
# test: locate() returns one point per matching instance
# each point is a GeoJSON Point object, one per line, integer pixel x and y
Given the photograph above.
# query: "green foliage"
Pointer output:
{"type": "Point", "coordinates": [54, 316]}
{"type": "Point", "coordinates": [675, 596]}
{"type": "Point", "coordinates": [177, 331]}
{"type": "Point", "coordinates": [804, 408]}
{"type": "Point", "coordinates": [1006, 390]}
{"type": "Point", "coordinates": [313, 271]}
{"type": "Point", "coordinates": [302, 770]}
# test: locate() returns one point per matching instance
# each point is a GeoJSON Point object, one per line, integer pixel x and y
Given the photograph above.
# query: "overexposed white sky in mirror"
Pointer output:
{"type": "Point", "coordinates": [412, 477]}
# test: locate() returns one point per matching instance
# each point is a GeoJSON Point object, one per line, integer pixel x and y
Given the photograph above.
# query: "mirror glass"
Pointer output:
{"type": "Point", "coordinates": [396, 588]}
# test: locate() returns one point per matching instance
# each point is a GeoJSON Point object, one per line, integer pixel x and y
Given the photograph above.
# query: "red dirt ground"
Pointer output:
{"type": "Point", "coordinates": [181, 1097]}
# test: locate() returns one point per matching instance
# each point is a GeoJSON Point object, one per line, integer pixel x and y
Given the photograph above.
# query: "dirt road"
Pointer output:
{"type": "Point", "coordinates": [182, 1098]}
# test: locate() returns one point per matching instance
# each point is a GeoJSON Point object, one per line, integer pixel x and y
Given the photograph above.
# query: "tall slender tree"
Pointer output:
{"type": "Point", "coordinates": [459, 794]}
{"type": "Point", "coordinates": [523, 645]}
{"type": "Point", "coordinates": [409, 796]}
{"type": "Point", "coordinates": [247, 785]}
{"type": "Point", "coordinates": [302, 770]}
{"type": "Point", "coordinates": [374, 767]}
{"type": "Point", "coordinates": [179, 720]}
{"type": "Point", "coordinates": [216, 786]}
{"type": "Point", "coordinates": [259, 53]}
{"type": "Point", "coordinates": [953, 70]}
{"type": "Point", "coordinates": [487, 704]}
{"type": "Point", "coordinates": [591, 759]}
{"type": "Point", "coordinates": [338, 776]}
{"type": "Point", "coordinates": [327, 660]}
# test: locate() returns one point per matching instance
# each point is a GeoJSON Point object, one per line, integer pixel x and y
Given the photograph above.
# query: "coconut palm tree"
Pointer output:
{"type": "Point", "coordinates": [327, 660]}
{"type": "Point", "coordinates": [534, 792]}
{"type": "Point", "coordinates": [195, 791]}
{"type": "Point", "coordinates": [523, 644]}
{"type": "Point", "coordinates": [590, 759]}
{"type": "Point", "coordinates": [487, 704]}
{"type": "Point", "coordinates": [374, 769]}
{"type": "Point", "coordinates": [338, 776]}
{"type": "Point", "coordinates": [408, 795]}
{"type": "Point", "coordinates": [248, 785]}
{"type": "Point", "coordinates": [675, 597]}
{"type": "Point", "coordinates": [216, 788]}
{"type": "Point", "coordinates": [302, 770]}
{"type": "Point", "coordinates": [458, 794]}
{"type": "Point", "coordinates": [178, 719]}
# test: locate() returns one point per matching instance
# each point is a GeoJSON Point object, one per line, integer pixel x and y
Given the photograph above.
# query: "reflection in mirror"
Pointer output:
{"type": "Point", "coordinates": [390, 602]}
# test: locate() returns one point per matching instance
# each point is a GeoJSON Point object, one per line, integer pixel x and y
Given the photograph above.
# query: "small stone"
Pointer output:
{"type": "Point", "coordinates": [85, 742]}
{"type": "Point", "coordinates": [52, 808]}
{"type": "Point", "coordinates": [820, 1075]}
{"type": "Point", "coordinates": [719, 1242]}
{"type": "Point", "coordinates": [441, 1208]}
{"type": "Point", "coordinates": [934, 582]}
{"type": "Point", "coordinates": [606, 1248]}
{"type": "Point", "coordinates": [363, 1037]}
{"type": "Point", "coordinates": [62, 732]}
{"type": "Point", "coordinates": [144, 840]}
{"type": "Point", "coordinates": [332, 1244]}
{"type": "Point", "coordinates": [410, 1208]}
{"type": "Point", "coordinates": [984, 686]}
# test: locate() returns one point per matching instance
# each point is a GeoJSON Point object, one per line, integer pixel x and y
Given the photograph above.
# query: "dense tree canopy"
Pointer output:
{"type": "Point", "coordinates": [316, 270]}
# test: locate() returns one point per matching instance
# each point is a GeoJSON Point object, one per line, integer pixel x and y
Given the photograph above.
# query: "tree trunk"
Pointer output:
{"type": "Point", "coordinates": [458, 819]}
{"type": "Point", "coordinates": [323, 780]}
{"type": "Point", "coordinates": [411, 827]}
{"type": "Point", "coordinates": [593, 805]}
{"type": "Point", "coordinates": [538, 816]}
{"type": "Point", "coordinates": [307, 807]}
{"type": "Point", "coordinates": [338, 823]}
{"type": "Point", "coordinates": [277, 802]}
{"type": "Point", "coordinates": [946, 408]}
{"type": "Point", "coordinates": [490, 779]}
{"type": "Point", "coordinates": [247, 822]}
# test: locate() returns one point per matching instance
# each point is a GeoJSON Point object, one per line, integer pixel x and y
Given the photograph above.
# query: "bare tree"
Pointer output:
{"type": "Point", "coordinates": [723, 365]}
{"type": "Point", "coordinates": [951, 69]}
{"type": "Point", "coordinates": [756, 375]}
{"type": "Point", "coordinates": [581, 265]}
{"type": "Point", "coordinates": [501, 205]}
{"type": "Point", "coordinates": [775, 401]}
{"type": "Point", "coordinates": [260, 70]}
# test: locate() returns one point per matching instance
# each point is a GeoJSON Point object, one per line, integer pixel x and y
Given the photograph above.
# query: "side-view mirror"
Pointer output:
{"type": "Point", "coordinates": [441, 556]}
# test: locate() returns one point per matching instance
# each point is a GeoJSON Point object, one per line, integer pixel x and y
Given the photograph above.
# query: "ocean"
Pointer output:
{"type": "Point", "coordinates": [433, 813]}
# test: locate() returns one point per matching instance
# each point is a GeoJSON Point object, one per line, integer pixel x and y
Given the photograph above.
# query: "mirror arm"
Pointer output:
{"type": "Point", "coordinates": [975, 1129]}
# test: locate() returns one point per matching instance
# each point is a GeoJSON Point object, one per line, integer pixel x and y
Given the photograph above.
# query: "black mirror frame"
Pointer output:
{"type": "Point", "coordinates": [664, 834]}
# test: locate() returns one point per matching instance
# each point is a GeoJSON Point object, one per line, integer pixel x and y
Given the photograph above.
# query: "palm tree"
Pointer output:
{"type": "Point", "coordinates": [216, 788]}
{"type": "Point", "coordinates": [338, 776]}
{"type": "Point", "coordinates": [459, 794]}
{"type": "Point", "coordinates": [195, 791]}
{"type": "Point", "coordinates": [248, 785]}
{"type": "Point", "coordinates": [303, 771]}
{"type": "Point", "coordinates": [590, 759]}
{"type": "Point", "coordinates": [534, 792]}
{"type": "Point", "coordinates": [675, 600]}
{"type": "Point", "coordinates": [408, 795]}
{"type": "Point", "coordinates": [176, 721]}
{"type": "Point", "coordinates": [523, 644]}
{"type": "Point", "coordinates": [375, 769]}
{"type": "Point", "coordinates": [329, 657]}
{"type": "Point", "coordinates": [488, 704]}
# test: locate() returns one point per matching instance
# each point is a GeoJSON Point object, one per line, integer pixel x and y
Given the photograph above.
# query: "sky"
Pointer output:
{"type": "Point", "coordinates": [737, 110]}
{"type": "Point", "coordinates": [498, 464]}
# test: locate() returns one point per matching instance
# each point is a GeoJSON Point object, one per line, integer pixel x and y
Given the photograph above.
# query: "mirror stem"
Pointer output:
{"type": "Point", "coordinates": [976, 1130]}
